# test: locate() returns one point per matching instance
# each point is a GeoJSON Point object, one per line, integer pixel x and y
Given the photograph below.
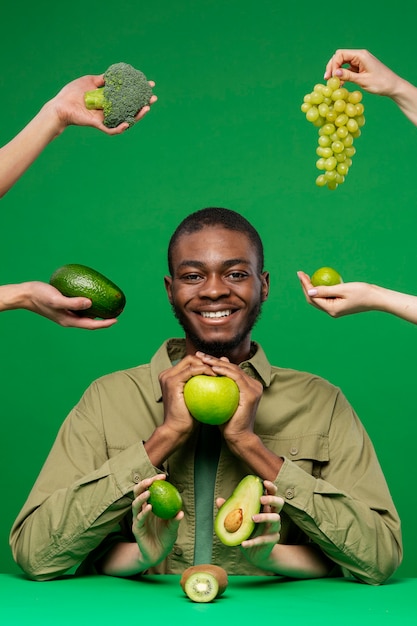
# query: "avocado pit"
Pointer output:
{"type": "Point", "coordinates": [233, 521]}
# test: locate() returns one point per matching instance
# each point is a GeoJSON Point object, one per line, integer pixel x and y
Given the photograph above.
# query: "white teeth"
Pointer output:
{"type": "Point", "coordinates": [216, 313]}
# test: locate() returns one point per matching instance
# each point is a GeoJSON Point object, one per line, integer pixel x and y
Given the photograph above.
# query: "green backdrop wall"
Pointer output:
{"type": "Point", "coordinates": [227, 130]}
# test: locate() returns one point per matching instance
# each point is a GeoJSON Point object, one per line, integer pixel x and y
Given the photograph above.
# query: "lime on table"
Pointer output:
{"type": "Point", "coordinates": [165, 499]}
{"type": "Point", "coordinates": [326, 276]}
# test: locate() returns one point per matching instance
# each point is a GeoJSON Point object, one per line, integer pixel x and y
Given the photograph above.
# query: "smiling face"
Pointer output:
{"type": "Point", "coordinates": [216, 291]}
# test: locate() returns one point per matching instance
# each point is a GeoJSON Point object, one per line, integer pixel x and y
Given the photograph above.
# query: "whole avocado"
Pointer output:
{"type": "Point", "coordinates": [74, 280]}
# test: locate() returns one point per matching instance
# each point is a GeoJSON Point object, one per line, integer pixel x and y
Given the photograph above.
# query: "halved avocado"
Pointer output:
{"type": "Point", "coordinates": [233, 523]}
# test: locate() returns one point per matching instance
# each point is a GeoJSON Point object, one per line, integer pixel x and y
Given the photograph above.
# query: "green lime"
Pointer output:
{"type": "Point", "coordinates": [326, 276]}
{"type": "Point", "coordinates": [165, 499]}
{"type": "Point", "coordinates": [211, 399]}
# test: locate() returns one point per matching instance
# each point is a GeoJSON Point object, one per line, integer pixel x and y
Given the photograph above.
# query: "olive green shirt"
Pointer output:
{"type": "Point", "coordinates": [334, 490]}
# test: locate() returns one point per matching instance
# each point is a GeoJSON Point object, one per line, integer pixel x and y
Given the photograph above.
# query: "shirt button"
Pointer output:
{"type": "Point", "coordinates": [177, 551]}
{"type": "Point", "coordinates": [135, 477]}
{"type": "Point", "coordinates": [294, 450]}
{"type": "Point", "coordinates": [289, 494]}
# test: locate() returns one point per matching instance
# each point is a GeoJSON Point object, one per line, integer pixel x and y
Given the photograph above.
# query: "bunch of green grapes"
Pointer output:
{"type": "Point", "coordinates": [339, 115]}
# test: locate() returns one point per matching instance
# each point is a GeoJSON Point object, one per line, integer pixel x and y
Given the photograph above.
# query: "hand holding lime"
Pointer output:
{"type": "Point", "coordinates": [165, 499]}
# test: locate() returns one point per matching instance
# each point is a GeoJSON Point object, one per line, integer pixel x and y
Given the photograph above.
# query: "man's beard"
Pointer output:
{"type": "Point", "coordinates": [219, 348]}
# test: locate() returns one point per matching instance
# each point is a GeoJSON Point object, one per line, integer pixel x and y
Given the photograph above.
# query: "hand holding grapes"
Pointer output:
{"type": "Point", "coordinates": [368, 72]}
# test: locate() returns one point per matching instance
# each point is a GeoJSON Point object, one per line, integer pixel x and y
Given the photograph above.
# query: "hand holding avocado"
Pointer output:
{"type": "Point", "coordinates": [250, 518]}
{"type": "Point", "coordinates": [46, 300]}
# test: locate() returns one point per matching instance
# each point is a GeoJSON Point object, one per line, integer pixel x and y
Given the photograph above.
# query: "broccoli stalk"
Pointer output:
{"type": "Point", "coordinates": [94, 99]}
{"type": "Point", "coordinates": [126, 91]}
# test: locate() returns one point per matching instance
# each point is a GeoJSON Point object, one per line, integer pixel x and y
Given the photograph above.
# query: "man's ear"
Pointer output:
{"type": "Point", "coordinates": [265, 286]}
{"type": "Point", "coordinates": [168, 287]}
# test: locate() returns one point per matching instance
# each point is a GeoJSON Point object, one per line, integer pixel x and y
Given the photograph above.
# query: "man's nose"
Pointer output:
{"type": "Point", "coordinates": [214, 287]}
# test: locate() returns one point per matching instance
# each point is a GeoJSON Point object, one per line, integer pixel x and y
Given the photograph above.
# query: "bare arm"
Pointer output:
{"type": "Point", "coordinates": [358, 297]}
{"type": "Point", "coordinates": [65, 109]}
{"type": "Point", "coordinates": [368, 72]}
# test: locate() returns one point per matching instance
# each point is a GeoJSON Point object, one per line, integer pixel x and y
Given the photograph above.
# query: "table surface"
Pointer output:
{"type": "Point", "coordinates": [159, 600]}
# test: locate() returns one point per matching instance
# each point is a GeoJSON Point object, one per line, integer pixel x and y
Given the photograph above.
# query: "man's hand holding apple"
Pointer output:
{"type": "Point", "coordinates": [172, 381]}
{"type": "Point", "coordinates": [242, 422]}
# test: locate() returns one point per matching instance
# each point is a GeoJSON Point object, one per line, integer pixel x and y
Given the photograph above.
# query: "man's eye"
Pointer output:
{"type": "Point", "coordinates": [237, 275]}
{"type": "Point", "coordinates": [191, 277]}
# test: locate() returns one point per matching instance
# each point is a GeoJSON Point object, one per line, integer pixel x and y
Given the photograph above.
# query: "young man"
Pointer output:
{"type": "Point", "coordinates": [296, 431]}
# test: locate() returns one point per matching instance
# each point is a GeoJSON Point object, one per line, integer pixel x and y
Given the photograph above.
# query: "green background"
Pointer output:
{"type": "Point", "coordinates": [227, 130]}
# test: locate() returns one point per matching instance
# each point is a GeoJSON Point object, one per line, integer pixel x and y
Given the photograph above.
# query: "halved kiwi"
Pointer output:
{"type": "Point", "coordinates": [204, 583]}
{"type": "Point", "coordinates": [201, 587]}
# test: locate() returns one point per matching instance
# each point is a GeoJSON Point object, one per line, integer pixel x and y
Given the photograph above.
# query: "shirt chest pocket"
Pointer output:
{"type": "Point", "coordinates": [309, 451]}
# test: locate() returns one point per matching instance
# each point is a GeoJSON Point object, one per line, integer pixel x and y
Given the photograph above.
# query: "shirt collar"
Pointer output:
{"type": "Point", "coordinates": [171, 350]}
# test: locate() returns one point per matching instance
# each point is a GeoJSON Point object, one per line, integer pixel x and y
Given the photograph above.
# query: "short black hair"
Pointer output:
{"type": "Point", "coordinates": [217, 216]}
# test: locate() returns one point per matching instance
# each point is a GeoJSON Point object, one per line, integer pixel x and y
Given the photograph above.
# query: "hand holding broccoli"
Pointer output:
{"type": "Point", "coordinates": [68, 107]}
{"type": "Point", "coordinates": [126, 92]}
{"type": "Point", "coordinates": [65, 109]}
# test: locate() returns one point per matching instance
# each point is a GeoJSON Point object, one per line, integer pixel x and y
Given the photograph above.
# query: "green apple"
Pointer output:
{"type": "Point", "coordinates": [211, 399]}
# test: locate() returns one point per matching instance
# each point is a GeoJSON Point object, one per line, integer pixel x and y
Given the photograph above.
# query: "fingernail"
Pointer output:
{"type": "Point", "coordinates": [338, 73]}
{"type": "Point", "coordinates": [312, 292]}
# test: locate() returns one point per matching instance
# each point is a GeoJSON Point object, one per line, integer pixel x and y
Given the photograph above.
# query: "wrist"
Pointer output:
{"type": "Point", "coordinates": [404, 94]}
{"type": "Point", "coordinates": [51, 120]}
{"type": "Point", "coordinates": [240, 443]}
{"type": "Point", "coordinates": [14, 296]}
{"type": "Point", "coordinates": [249, 448]}
{"type": "Point", "coordinates": [163, 442]}
{"type": "Point", "coordinates": [124, 559]}
{"type": "Point", "coordinates": [381, 299]}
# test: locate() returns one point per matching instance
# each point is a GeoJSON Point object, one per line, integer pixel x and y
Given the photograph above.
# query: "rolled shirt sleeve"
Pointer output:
{"type": "Point", "coordinates": [347, 510]}
{"type": "Point", "coordinates": [82, 492]}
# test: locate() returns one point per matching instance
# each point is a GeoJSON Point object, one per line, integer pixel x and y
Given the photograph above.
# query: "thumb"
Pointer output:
{"type": "Point", "coordinates": [323, 292]}
{"type": "Point", "coordinates": [78, 303]}
{"type": "Point", "coordinates": [347, 76]}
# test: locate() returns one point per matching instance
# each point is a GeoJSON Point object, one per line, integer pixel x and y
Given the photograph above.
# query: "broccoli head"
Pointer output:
{"type": "Point", "coordinates": [126, 90]}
